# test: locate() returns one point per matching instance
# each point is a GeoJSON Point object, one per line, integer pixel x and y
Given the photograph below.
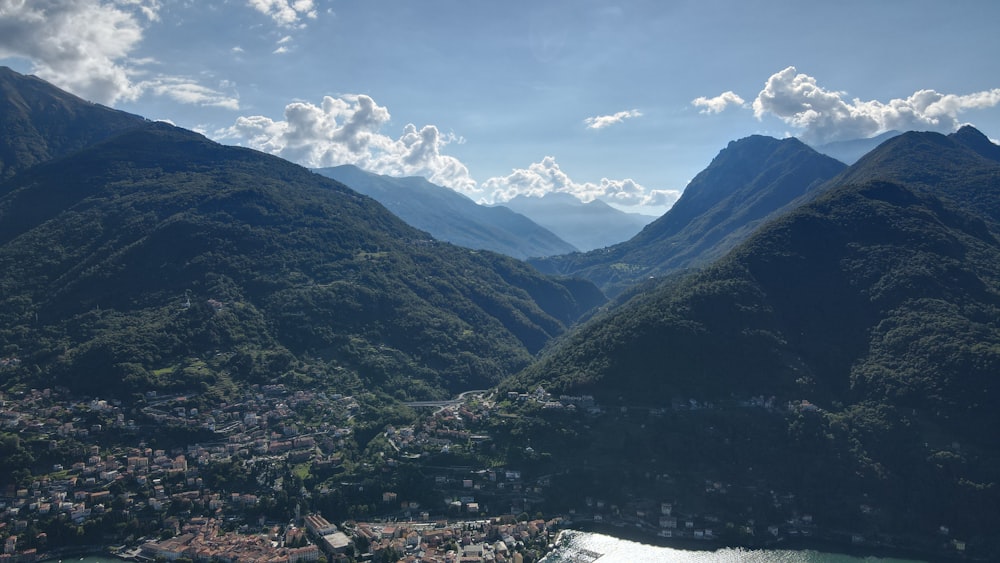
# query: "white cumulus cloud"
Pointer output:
{"type": "Point", "coordinates": [602, 121]}
{"type": "Point", "coordinates": [546, 176]}
{"type": "Point", "coordinates": [719, 103]}
{"type": "Point", "coordinates": [825, 115]}
{"type": "Point", "coordinates": [85, 47]}
{"type": "Point", "coordinates": [79, 45]}
{"type": "Point", "coordinates": [286, 13]}
{"type": "Point", "coordinates": [348, 130]}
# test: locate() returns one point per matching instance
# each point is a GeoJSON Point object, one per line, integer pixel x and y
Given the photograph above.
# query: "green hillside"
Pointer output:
{"type": "Point", "coordinates": [867, 320]}
{"type": "Point", "coordinates": [161, 260]}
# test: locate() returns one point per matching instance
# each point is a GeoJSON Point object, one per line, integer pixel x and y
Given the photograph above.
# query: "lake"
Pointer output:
{"type": "Point", "coordinates": [585, 547]}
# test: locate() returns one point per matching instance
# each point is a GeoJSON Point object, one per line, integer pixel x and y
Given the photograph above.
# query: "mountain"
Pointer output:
{"type": "Point", "coordinates": [159, 260]}
{"type": "Point", "coordinates": [40, 122]}
{"type": "Point", "coordinates": [450, 216]}
{"type": "Point", "coordinates": [587, 226]}
{"type": "Point", "coordinates": [750, 181]}
{"type": "Point", "coordinates": [852, 150]}
{"type": "Point", "coordinates": [841, 363]}
{"type": "Point", "coordinates": [955, 168]}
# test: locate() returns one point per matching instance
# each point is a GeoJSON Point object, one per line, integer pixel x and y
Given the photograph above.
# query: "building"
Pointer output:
{"type": "Point", "coordinates": [336, 543]}
{"type": "Point", "coordinates": [319, 525]}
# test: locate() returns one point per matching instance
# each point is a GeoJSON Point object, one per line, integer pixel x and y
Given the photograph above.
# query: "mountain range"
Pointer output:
{"type": "Point", "coordinates": [817, 339]}
{"type": "Point", "coordinates": [452, 217]}
{"type": "Point", "coordinates": [157, 259]}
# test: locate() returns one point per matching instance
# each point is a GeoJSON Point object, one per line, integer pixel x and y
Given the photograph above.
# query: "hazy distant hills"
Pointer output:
{"type": "Point", "coordinates": [868, 317]}
{"type": "Point", "coordinates": [586, 226]}
{"type": "Point", "coordinates": [750, 181]}
{"type": "Point", "coordinates": [851, 150]}
{"type": "Point", "coordinates": [157, 259]}
{"type": "Point", "coordinates": [451, 216]}
{"type": "Point", "coordinates": [39, 122]}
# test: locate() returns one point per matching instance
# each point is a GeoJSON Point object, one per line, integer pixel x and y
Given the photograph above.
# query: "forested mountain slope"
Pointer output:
{"type": "Point", "coordinates": [868, 322]}
{"type": "Point", "coordinates": [158, 259]}
{"type": "Point", "coordinates": [39, 122]}
{"type": "Point", "coordinates": [751, 180]}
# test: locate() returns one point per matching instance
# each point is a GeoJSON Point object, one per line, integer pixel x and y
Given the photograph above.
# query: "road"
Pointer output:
{"type": "Point", "coordinates": [446, 403]}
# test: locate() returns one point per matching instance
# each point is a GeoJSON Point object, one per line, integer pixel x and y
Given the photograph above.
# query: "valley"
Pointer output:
{"type": "Point", "coordinates": [201, 341]}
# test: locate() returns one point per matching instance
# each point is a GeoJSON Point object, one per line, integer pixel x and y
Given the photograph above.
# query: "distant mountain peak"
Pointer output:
{"type": "Point", "coordinates": [560, 196]}
{"type": "Point", "coordinates": [451, 216]}
{"type": "Point", "coordinates": [851, 150]}
{"type": "Point", "coordinates": [586, 225]}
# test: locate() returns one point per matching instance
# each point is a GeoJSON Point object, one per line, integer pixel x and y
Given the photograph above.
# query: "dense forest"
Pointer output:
{"type": "Point", "coordinates": [132, 260]}
{"type": "Point", "coordinates": [868, 316]}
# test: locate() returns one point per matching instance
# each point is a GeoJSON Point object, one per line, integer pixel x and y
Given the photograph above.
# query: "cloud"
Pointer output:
{"type": "Point", "coordinates": [84, 46]}
{"type": "Point", "coordinates": [825, 115]}
{"type": "Point", "coordinates": [348, 130]}
{"type": "Point", "coordinates": [546, 176]}
{"type": "Point", "coordinates": [149, 8]}
{"type": "Point", "coordinates": [602, 121]}
{"type": "Point", "coordinates": [78, 45]}
{"type": "Point", "coordinates": [286, 13]}
{"type": "Point", "coordinates": [189, 92]}
{"type": "Point", "coordinates": [284, 46]}
{"type": "Point", "coordinates": [719, 103]}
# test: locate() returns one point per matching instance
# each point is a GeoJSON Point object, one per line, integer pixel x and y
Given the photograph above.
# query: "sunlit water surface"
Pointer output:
{"type": "Point", "coordinates": [582, 547]}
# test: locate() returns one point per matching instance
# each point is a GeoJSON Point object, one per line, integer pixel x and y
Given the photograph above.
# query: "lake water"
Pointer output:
{"type": "Point", "coordinates": [583, 547]}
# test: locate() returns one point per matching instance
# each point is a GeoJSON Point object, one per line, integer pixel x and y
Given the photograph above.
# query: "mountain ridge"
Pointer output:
{"type": "Point", "coordinates": [451, 216]}
{"type": "Point", "coordinates": [751, 180]}
{"type": "Point", "coordinates": [41, 122]}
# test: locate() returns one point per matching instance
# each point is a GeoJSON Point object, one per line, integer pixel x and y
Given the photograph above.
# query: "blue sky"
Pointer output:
{"type": "Point", "coordinates": [625, 101]}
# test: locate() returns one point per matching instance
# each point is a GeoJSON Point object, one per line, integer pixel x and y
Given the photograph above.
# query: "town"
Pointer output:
{"type": "Point", "coordinates": [255, 479]}
{"type": "Point", "coordinates": [217, 496]}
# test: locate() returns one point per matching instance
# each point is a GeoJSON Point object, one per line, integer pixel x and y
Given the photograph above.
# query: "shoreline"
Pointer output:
{"type": "Point", "coordinates": [639, 536]}
{"type": "Point", "coordinates": [791, 544]}
{"type": "Point", "coordinates": [82, 551]}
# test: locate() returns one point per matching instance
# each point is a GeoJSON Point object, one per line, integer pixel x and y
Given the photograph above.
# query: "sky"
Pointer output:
{"type": "Point", "coordinates": [620, 101]}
